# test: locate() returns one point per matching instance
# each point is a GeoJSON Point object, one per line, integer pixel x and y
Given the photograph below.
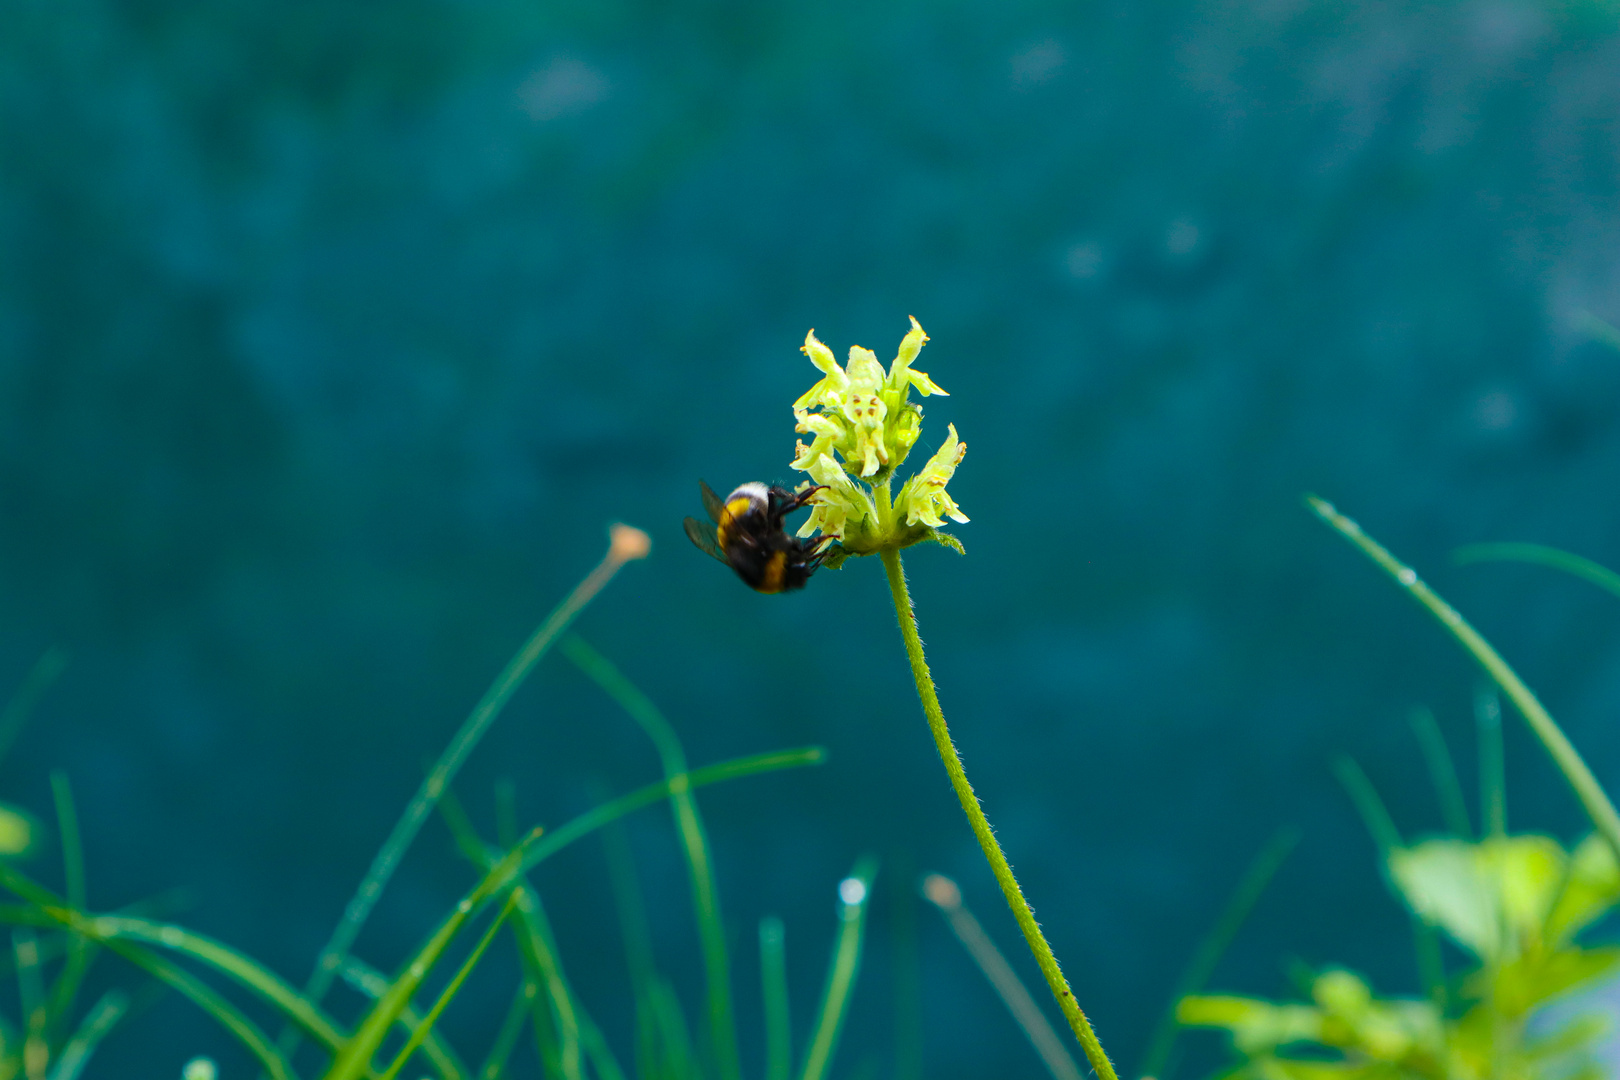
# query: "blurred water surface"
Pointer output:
{"type": "Point", "coordinates": [333, 334]}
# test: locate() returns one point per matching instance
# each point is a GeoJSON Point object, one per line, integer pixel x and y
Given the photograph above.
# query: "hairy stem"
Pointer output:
{"type": "Point", "coordinates": [981, 826]}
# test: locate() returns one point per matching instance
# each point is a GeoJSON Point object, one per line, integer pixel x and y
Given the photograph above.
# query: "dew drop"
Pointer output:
{"type": "Point", "coordinates": [1407, 576]}
{"type": "Point", "coordinates": [852, 890]}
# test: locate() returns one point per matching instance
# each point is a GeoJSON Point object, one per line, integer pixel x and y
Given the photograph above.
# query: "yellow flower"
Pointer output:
{"type": "Point", "coordinates": [862, 425]}
{"type": "Point", "coordinates": [924, 498]}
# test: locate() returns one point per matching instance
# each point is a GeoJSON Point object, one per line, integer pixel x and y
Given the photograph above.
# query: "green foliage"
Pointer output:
{"type": "Point", "coordinates": [1514, 905]}
{"type": "Point", "coordinates": [57, 936]}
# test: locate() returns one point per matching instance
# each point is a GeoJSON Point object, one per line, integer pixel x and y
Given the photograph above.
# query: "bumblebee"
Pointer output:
{"type": "Point", "coordinates": [748, 536]}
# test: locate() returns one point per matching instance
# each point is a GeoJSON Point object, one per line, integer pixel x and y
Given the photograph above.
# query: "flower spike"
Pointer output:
{"type": "Point", "coordinates": [862, 425]}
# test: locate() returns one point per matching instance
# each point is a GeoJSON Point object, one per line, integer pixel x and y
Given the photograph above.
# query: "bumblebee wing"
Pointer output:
{"type": "Point", "coordinates": [711, 502]}
{"type": "Point", "coordinates": [702, 536]}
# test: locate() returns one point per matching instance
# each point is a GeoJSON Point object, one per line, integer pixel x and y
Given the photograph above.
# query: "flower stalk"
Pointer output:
{"type": "Point", "coordinates": [862, 426]}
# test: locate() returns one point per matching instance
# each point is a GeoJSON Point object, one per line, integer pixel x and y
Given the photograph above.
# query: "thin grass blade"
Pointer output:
{"type": "Point", "coordinates": [354, 1057]}
{"type": "Point", "coordinates": [414, 1043]}
{"type": "Point", "coordinates": [66, 988]}
{"type": "Point", "coordinates": [944, 894]}
{"type": "Point", "coordinates": [211, 1002]}
{"type": "Point", "coordinates": [1540, 554]}
{"type": "Point", "coordinates": [694, 844]}
{"type": "Point", "coordinates": [97, 1025]}
{"type": "Point", "coordinates": [517, 1014]}
{"type": "Point", "coordinates": [774, 984]}
{"type": "Point", "coordinates": [1569, 762]}
{"type": "Point", "coordinates": [557, 1028]}
{"type": "Point", "coordinates": [635, 930]}
{"type": "Point", "coordinates": [1442, 772]}
{"type": "Point", "coordinates": [753, 765]}
{"type": "Point", "coordinates": [46, 670]}
{"type": "Point", "coordinates": [31, 991]}
{"type": "Point", "coordinates": [1157, 1062]}
{"type": "Point", "coordinates": [625, 547]}
{"type": "Point", "coordinates": [675, 1059]}
{"type": "Point", "coordinates": [854, 892]}
{"type": "Point", "coordinates": [537, 949]}
{"type": "Point", "coordinates": [121, 933]}
{"type": "Point", "coordinates": [1492, 763]}
{"type": "Point", "coordinates": [1375, 816]}
{"type": "Point", "coordinates": [246, 972]}
{"type": "Point", "coordinates": [907, 960]}
{"type": "Point", "coordinates": [373, 983]}
{"type": "Point", "coordinates": [596, 1048]}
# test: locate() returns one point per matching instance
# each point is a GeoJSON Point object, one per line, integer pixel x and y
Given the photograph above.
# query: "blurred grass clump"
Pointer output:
{"type": "Point", "coordinates": [1512, 904]}
{"type": "Point", "coordinates": [57, 937]}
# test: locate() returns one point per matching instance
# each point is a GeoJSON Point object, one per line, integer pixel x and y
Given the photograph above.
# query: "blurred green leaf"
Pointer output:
{"type": "Point", "coordinates": [1591, 888]}
{"type": "Point", "coordinates": [1492, 897]}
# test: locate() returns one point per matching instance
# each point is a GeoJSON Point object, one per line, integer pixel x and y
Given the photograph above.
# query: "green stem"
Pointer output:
{"type": "Point", "coordinates": [981, 826]}
{"type": "Point", "coordinates": [1580, 778]}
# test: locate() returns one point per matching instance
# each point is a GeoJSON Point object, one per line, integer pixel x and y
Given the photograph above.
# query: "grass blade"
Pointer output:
{"type": "Point", "coordinates": [97, 1025]}
{"type": "Point", "coordinates": [853, 893]}
{"type": "Point", "coordinates": [675, 1060]}
{"type": "Point", "coordinates": [1540, 554]}
{"type": "Point", "coordinates": [537, 949]}
{"type": "Point", "coordinates": [373, 983]}
{"type": "Point", "coordinates": [211, 1002]}
{"type": "Point", "coordinates": [1492, 763]}
{"type": "Point", "coordinates": [452, 988]}
{"type": "Point", "coordinates": [1430, 964]}
{"type": "Point", "coordinates": [1157, 1062]}
{"type": "Point", "coordinates": [636, 932]}
{"type": "Point", "coordinates": [944, 894]}
{"type": "Point", "coordinates": [628, 544]}
{"type": "Point", "coordinates": [46, 670]}
{"type": "Point", "coordinates": [694, 844]}
{"type": "Point", "coordinates": [31, 991]}
{"type": "Point", "coordinates": [557, 1031]}
{"type": "Point", "coordinates": [500, 1051]}
{"type": "Point", "coordinates": [66, 988]}
{"type": "Point", "coordinates": [352, 1060]}
{"type": "Point", "coordinates": [596, 1048]}
{"type": "Point", "coordinates": [1442, 772]}
{"type": "Point", "coordinates": [1564, 755]}
{"type": "Point", "coordinates": [753, 765]}
{"type": "Point", "coordinates": [126, 936]}
{"type": "Point", "coordinates": [1374, 815]}
{"type": "Point", "coordinates": [112, 929]}
{"type": "Point", "coordinates": [773, 979]}
{"type": "Point", "coordinates": [908, 986]}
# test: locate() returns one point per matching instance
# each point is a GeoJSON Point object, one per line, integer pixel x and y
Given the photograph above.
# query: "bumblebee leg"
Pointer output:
{"type": "Point", "coordinates": [792, 500]}
{"type": "Point", "coordinates": [822, 547]}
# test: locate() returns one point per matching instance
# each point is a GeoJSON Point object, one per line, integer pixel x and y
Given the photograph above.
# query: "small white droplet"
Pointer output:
{"type": "Point", "coordinates": [1407, 576]}
{"type": "Point", "coordinates": [199, 1068]}
{"type": "Point", "coordinates": [852, 890]}
{"type": "Point", "coordinates": [465, 906]}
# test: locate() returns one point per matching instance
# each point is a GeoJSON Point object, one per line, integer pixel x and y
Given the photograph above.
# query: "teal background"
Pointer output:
{"type": "Point", "coordinates": [333, 334]}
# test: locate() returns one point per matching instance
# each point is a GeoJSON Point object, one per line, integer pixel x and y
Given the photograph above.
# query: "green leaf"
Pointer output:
{"type": "Point", "coordinates": [1525, 984]}
{"type": "Point", "coordinates": [1492, 897]}
{"type": "Point", "coordinates": [1592, 887]}
{"type": "Point", "coordinates": [1256, 1026]}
